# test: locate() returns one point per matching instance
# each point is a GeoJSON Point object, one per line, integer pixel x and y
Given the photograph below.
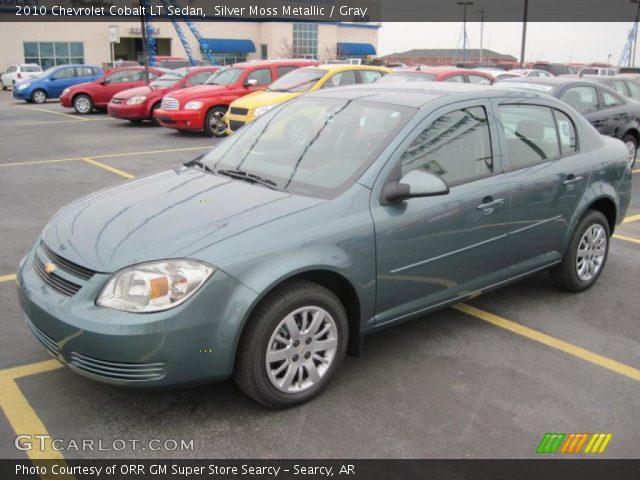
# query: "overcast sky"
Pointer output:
{"type": "Point", "coordinates": [556, 42]}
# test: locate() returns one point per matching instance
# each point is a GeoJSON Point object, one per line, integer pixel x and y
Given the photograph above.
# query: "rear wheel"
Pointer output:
{"type": "Point", "coordinates": [632, 147]}
{"type": "Point", "coordinates": [83, 104]}
{"type": "Point", "coordinates": [214, 125]}
{"type": "Point", "coordinates": [292, 346]}
{"type": "Point", "coordinates": [38, 96]}
{"type": "Point", "coordinates": [586, 256]}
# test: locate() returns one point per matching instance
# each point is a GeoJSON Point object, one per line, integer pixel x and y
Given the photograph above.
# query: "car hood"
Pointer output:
{"type": "Point", "coordinates": [258, 99]}
{"type": "Point", "coordinates": [133, 92]}
{"type": "Point", "coordinates": [172, 214]}
{"type": "Point", "coordinates": [201, 91]}
{"type": "Point", "coordinates": [79, 85]}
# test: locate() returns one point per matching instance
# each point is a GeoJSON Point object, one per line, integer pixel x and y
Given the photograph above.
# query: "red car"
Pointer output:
{"type": "Point", "coordinates": [138, 104]}
{"type": "Point", "coordinates": [203, 108]}
{"type": "Point", "coordinates": [438, 74]}
{"type": "Point", "coordinates": [85, 97]}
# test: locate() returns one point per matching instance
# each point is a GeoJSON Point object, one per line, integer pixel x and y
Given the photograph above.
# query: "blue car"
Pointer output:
{"type": "Point", "coordinates": [54, 80]}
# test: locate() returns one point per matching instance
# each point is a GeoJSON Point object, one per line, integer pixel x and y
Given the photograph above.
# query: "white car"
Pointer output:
{"type": "Point", "coordinates": [607, 72]}
{"type": "Point", "coordinates": [17, 73]}
{"type": "Point", "coordinates": [531, 73]}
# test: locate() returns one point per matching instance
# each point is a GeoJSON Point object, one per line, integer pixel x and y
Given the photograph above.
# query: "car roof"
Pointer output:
{"type": "Point", "coordinates": [417, 94]}
{"type": "Point", "coordinates": [555, 82]}
{"type": "Point", "coordinates": [266, 63]}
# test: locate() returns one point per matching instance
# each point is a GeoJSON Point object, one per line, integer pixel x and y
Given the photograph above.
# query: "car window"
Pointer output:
{"type": "Point", "coordinates": [611, 100]}
{"type": "Point", "coordinates": [11, 69]}
{"type": "Point", "coordinates": [566, 133]}
{"type": "Point", "coordinates": [478, 79]}
{"type": "Point", "coordinates": [583, 99]}
{"type": "Point", "coordinates": [634, 89]}
{"type": "Point", "coordinates": [341, 79]}
{"type": "Point", "coordinates": [369, 76]}
{"type": "Point", "coordinates": [84, 72]}
{"type": "Point", "coordinates": [263, 76]}
{"type": "Point", "coordinates": [285, 69]}
{"type": "Point", "coordinates": [198, 78]}
{"type": "Point", "coordinates": [533, 74]}
{"type": "Point", "coordinates": [619, 86]}
{"type": "Point", "coordinates": [30, 68]}
{"type": "Point", "coordinates": [455, 79]}
{"type": "Point", "coordinates": [118, 77]}
{"type": "Point", "coordinates": [65, 73]}
{"type": "Point", "coordinates": [530, 134]}
{"type": "Point", "coordinates": [457, 147]}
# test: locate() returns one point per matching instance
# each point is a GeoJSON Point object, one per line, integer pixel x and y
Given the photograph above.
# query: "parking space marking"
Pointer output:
{"type": "Point", "coordinates": [7, 278]}
{"type": "Point", "coordinates": [108, 168]}
{"type": "Point", "coordinates": [626, 238]}
{"type": "Point", "coordinates": [110, 155]}
{"type": "Point", "coordinates": [637, 170]}
{"type": "Point", "coordinates": [550, 341]}
{"type": "Point", "coordinates": [44, 110]}
{"type": "Point", "coordinates": [48, 122]}
{"type": "Point", "coordinates": [631, 218]}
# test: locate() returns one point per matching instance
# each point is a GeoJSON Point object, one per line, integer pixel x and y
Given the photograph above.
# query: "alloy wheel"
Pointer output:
{"type": "Point", "coordinates": [217, 124]}
{"type": "Point", "coordinates": [39, 97]}
{"type": "Point", "coordinates": [82, 104]}
{"type": "Point", "coordinates": [631, 150]}
{"type": "Point", "coordinates": [591, 252]}
{"type": "Point", "coordinates": [301, 349]}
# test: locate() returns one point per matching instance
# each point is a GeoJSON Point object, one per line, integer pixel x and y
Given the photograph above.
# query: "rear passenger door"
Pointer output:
{"type": "Point", "coordinates": [547, 180]}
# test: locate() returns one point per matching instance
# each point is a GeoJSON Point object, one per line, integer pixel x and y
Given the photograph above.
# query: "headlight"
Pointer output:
{"type": "Point", "coordinates": [152, 287]}
{"type": "Point", "coordinates": [136, 100]}
{"type": "Point", "coordinates": [193, 105]}
{"type": "Point", "coordinates": [22, 86]}
{"type": "Point", "coordinates": [262, 110]}
{"type": "Point", "coordinates": [65, 91]}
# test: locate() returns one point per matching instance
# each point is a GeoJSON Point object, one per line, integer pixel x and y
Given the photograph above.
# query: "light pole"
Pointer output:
{"type": "Point", "coordinates": [464, 30]}
{"type": "Point", "coordinates": [525, 14]}
{"type": "Point", "coordinates": [481, 33]}
{"type": "Point", "coordinates": [635, 37]}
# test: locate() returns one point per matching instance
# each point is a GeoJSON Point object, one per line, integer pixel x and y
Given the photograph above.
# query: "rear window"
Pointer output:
{"type": "Point", "coordinates": [30, 68]}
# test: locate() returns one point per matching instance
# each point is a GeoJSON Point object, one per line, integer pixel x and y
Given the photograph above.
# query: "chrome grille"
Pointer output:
{"type": "Point", "coordinates": [238, 111]}
{"type": "Point", "coordinates": [66, 265]}
{"type": "Point", "coordinates": [57, 283]}
{"type": "Point", "coordinates": [117, 370]}
{"type": "Point", "coordinates": [169, 103]}
{"type": "Point", "coordinates": [48, 342]}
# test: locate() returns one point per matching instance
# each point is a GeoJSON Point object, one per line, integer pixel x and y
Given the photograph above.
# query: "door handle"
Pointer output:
{"type": "Point", "coordinates": [598, 123]}
{"type": "Point", "coordinates": [572, 179]}
{"type": "Point", "coordinates": [488, 204]}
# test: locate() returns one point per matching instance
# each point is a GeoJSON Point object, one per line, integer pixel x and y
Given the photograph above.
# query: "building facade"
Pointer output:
{"type": "Point", "coordinates": [448, 56]}
{"type": "Point", "coordinates": [55, 43]}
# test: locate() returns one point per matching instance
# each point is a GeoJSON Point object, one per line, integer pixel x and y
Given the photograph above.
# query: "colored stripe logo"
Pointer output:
{"type": "Point", "coordinates": [574, 443]}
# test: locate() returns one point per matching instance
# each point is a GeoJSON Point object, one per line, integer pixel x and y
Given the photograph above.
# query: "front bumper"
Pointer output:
{"type": "Point", "coordinates": [192, 343]}
{"type": "Point", "coordinates": [65, 101]}
{"type": "Point", "coordinates": [235, 122]}
{"type": "Point", "coordinates": [180, 119]}
{"type": "Point", "coordinates": [23, 94]}
{"type": "Point", "coordinates": [127, 112]}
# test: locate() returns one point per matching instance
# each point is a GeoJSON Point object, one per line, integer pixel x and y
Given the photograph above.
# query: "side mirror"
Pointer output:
{"type": "Point", "coordinates": [416, 183]}
{"type": "Point", "coordinates": [103, 81]}
{"type": "Point", "coordinates": [252, 82]}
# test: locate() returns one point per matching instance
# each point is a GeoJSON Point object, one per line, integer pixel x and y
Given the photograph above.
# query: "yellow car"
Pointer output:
{"type": "Point", "coordinates": [294, 84]}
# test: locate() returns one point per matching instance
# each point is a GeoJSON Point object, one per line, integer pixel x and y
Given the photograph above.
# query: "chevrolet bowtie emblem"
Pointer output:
{"type": "Point", "coordinates": [50, 267]}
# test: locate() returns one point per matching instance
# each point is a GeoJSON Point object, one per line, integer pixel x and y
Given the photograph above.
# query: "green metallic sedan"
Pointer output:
{"type": "Point", "coordinates": [268, 260]}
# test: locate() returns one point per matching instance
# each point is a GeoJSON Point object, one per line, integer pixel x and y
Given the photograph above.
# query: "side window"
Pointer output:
{"type": "Point", "coordinates": [619, 86]}
{"type": "Point", "coordinates": [85, 72]}
{"type": "Point", "coordinates": [286, 69]}
{"type": "Point", "coordinates": [530, 133]}
{"type": "Point", "coordinates": [478, 79]}
{"type": "Point", "coordinates": [534, 74]}
{"type": "Point", "coordinates": [455, 79]}
{"type": "Point", "coordinates": [583, 99]}
{"type": "Point", "coordinates": [457, 146]}
{"type": "Point", "coordinates": [611, 100]}
{"type": "Point", "coordinates": [634, 89]}
{"type": "Point", "coordinates": [369, 76]}
{"type": "Point", "coordinates": [566, 133]}
{"type": "Point", "coordinates": [139, 76]}
{"type": "Point", "coordinates": [65, 73]}
{"type": "Point", "coordinates": [117, 77]}
{"type": "Point", "coordinates": [198, 78]}
{"type": "Point", "coordinates": [341, 79]}
{"type": "Point", "coordinates": [263, 76]}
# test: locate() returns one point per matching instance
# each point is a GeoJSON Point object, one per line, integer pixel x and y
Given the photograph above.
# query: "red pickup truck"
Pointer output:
{"type": "Point", "coordinates": [203, 108]}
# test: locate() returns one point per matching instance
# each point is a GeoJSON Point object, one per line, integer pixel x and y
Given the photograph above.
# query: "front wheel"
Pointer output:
{"type": "Point", "coordinates": [214, 125]}
{"type": "Point", "coordinates": [586, 256]}
{"type": "Point", "coordinates": [292, 346]}
{"type": "Point", "coordinates": [83, 104]}
{"type": "Point", "coordinates": [39, 96]}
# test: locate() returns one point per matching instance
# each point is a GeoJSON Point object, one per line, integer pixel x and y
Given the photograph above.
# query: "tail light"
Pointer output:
{"type": "Point", "coordinates": [19, 75]}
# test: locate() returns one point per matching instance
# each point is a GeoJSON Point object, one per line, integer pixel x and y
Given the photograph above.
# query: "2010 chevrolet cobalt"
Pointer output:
{"type": "Point", "coordinates": [267, 258]}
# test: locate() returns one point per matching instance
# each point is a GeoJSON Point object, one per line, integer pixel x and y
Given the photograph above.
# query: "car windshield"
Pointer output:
{"type": "Point", "coordinates": [169, 79]}
{"type": "Point", "coordinates": [48, 72]}
{"type": "Point", "coordinates": [401, 77]}
{"type": "Point", "coordinates": [226, 76]}
{"type": "Point", "coordinates": [311, 146]}
{"type": "Point", "coordinates": [30, 68]}
{"type": "Point", "coordinates": [300, 80]}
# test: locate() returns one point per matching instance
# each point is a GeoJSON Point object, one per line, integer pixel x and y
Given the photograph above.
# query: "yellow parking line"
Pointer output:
{"type": "Point", "coordinates": [75, 117]}
{"type": "Point", "coordinates": [111, 155]}
{"type": "Point", "coordinates": [637, 170]}
{"type": "Point", "coordinates": [7, 278]}
{"type": "Point", "coordinates": [626, 238]}
{"type": "Point", "coordinates": [109, 168]}
{"type": "Point", "coordinates": [631, 218]}
{"type": "Point", "coordinates": [14, 373]}
{"type": "Point", "coordinates": [550, 341]}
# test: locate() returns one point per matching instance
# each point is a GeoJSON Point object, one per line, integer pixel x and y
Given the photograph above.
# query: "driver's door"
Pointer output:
{"type": "Point", "coordinates": [433, 249]}
{"type": "Point", "coordinates": [63, 78]}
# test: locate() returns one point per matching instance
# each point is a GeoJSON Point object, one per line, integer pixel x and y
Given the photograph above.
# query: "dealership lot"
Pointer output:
{"type": "Point", "coordinates": [485, 380]}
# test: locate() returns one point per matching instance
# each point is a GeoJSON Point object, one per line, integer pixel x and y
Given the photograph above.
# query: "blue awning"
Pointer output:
{"type": "Point", "coordinates": [356, 49]}
{"type": "Point", "coordinates": [230, 45]}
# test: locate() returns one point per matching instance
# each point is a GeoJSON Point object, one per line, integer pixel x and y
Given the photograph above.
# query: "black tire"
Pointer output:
{"type": "Point", "coordinates": [628, 138]}
{"type": "Point", "coordinates": [565, 275]}
{"type": "Point", "coordinates": [152, 118]}
{"type": "Point", "coordinates": [83, 104]}
{"type": "Point", "coordinates": [4, 87]}
{"type": "Point", "coordinates": [208, 128]}
{"type": "Point", "coordinates": [37, 98]}
{"type": "Point", "coordinates": [250, 372]}
{"type": "Point", "coordinates": [136, 121]}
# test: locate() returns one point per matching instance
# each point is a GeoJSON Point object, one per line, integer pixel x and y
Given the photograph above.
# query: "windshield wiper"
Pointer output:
{"type": "Point", "coordinates": [197, 162]}
{"type": "Point", "coordinates": [248, 177]}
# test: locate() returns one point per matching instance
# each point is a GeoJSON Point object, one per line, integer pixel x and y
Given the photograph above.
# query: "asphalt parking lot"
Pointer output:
{"type": "Point", "coordinates": [484, 380]}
